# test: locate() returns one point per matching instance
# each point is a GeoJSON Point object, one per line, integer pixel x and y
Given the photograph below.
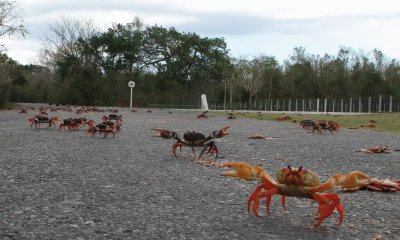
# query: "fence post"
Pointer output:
{"type": "Point", "coordinates": [390, 103]}
{"type": "Point", "coordinates": [303, 105]}
{"type": "Point", "coordinates": [296, 105]}
{"type": "Point", "coordinates": [369, 104]}
{"type": "Point", "coordinates": [317, 105]}
{"type": "Point", "coordinates": [290, 105]}
{"type": "Point", "coordinates": [359, 105]}
{"type": "Point", "coordinates": [341, 105]}
{"type": "Point", "coordinates": [325, 104]}
{"type": "Point", "coordinates": [380, 104]}
{"type": "Point", "coordinates": [271, 104]}
{"type": "Point", "coordinates": [333, 104]}
{"type": "Point", "coordinates": [351, 105]}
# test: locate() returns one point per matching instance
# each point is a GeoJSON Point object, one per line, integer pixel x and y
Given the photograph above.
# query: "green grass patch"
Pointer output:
{"type": "Point", "coordinates": [386, 122]}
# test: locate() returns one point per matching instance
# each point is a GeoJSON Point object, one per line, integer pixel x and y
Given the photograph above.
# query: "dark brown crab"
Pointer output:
{"type": "Point", "coordinates": [193, 139]}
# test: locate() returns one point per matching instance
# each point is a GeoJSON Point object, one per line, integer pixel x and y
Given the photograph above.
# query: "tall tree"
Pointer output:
{"type": "Point", "coordinates": [253, 74]}
{"type": "Point", "coordinates": [11, 22]}
{"type": "Point", "coordinates": [7, 72]}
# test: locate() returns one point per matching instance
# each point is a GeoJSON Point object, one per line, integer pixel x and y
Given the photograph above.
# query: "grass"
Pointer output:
{"type": "Point", "coordinates": [385, 122]}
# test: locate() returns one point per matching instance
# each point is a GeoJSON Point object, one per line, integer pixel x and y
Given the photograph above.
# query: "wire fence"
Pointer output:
{"type": "Point", "coordinates": [351, 104]}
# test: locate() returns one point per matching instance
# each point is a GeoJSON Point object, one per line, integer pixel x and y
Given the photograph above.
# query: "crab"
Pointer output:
{"type": "Point", "coordinates": [257, 136]}
{"type": "Point", "coordinates": [101, 128]}
{"type": "Point", "coordinates": [304, 183]}
{"type": "Point", "coordinates": [75, 123]}
{"type": "Point", "coordinates": [375, 149]}
{"type": "Point", "coordinates": [383, 185]}
{"type": "Point", "coordinates": [203, 115]}
{"type": "Point", "coordinates": [117, 118]}
{"type": "Point", "coordinates": [42, 118]}
{"type": "Point", "coordinates": [193, 139]}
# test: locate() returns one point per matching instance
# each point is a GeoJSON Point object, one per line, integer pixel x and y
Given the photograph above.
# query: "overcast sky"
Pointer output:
{"type": "Point", "coordinates": [249, 27]}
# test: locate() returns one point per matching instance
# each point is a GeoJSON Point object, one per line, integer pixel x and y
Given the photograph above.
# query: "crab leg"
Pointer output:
{"type": "Point", "coordinates": [212, 148]}
{"type": "Point", "coordinates": [328, 203]}
{"type": "Point", "coordinates": [175, 146]}
{"type": "Point", "coordinates": [351, 181]}
{"type": "Point", "coordinates": [257, 194]}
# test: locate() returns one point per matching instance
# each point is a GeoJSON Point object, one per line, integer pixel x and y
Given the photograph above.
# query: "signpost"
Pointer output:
{"type": "Point", "coordinates": [131, 84]}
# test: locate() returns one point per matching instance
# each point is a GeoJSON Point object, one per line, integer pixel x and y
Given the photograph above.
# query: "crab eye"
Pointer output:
{"type": "Point", "coordinates": [300, 168]}
{"type": "Point", "coordinates": [289, 167]}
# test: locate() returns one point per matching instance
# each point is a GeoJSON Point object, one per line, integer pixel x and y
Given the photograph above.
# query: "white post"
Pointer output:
{"type": "Point", "coordinates": [131, 84]}
{"type": "Point", "coordinates": [390, 103]}
{"type": "Point", "coordinates": [317, 105]}
{"type": "Point", "coordinates": [325, 105]}
{"type": "Point", "coordinates": [225, 96]}
{"type": "Point", "coordinates": [351, 105]}
{"type": "Point", "coordinates": [380, 104]}
{"type": "Point", "coordinates": [130, 105]}
{"type": "Point", "coordinates": [341, 105]}
{"type": "Point", "coordinates": [204, 104]}
{"type": "Point", "coordinates": [369, 104]}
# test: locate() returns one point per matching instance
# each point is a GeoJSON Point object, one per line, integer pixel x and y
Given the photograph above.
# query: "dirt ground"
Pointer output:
{"type": "Point", "coordinates": [68, 185]}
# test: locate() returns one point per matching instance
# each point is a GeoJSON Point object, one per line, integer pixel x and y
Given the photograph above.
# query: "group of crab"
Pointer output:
{"type": "Point", "coordinates": [110, 124]}
{"type": "Point", "coordinates": [320, 125]}
{"type": "Point", "coordinates": [290, 182]}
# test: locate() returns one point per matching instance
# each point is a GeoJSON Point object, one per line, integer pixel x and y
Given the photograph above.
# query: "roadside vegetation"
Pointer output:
{"type": "Point", "coordinates": [386, 122]}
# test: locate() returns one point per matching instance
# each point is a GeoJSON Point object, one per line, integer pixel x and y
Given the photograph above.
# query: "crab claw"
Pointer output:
{"type": "Point", "coordinates": [221, 133]}
{"type": "Point", "coordinates": [163, 133]}
{"type": "Point", "coordinates": [328, 203]}
{"type": "Point", "coordinates": [175, 146]}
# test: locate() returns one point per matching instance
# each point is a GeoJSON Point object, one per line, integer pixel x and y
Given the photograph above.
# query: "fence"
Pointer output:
{"type": "Point", "coordinates": [351, 104]}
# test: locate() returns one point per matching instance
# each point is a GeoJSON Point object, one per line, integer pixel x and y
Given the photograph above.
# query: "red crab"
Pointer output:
{"type": "Point", "coordinates": [193, 139]}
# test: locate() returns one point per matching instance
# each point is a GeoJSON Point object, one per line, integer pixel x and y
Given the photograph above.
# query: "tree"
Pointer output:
{"type": "Point", "coordinates": [253, 74]}
{"type": "Point", "coordinates": [184, 60]}
{"type": "Point", "coordinates": [7, 67]}
{"type": "Point", "coordinates": [61, 41]}
{"type": "Point", "coordinates": [10, 21]}
{"type": "Point", "coordinates": [75, 71]}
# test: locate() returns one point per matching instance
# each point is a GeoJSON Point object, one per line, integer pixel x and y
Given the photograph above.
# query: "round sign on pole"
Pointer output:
{"type": "Point", "coordinates": [131, 84]}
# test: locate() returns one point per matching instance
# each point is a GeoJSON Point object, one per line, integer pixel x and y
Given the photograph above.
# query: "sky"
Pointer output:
{"type": "Point", "coordinates": [250, 27]}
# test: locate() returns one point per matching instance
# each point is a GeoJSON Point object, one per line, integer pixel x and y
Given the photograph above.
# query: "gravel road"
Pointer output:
{"type": "Point", "coordinates": [67, 185]}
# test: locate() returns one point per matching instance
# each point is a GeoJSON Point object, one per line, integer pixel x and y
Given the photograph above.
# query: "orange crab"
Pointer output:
{"type": "Point", "coordinates": [303, 183]}
{"type": "Point", "coordinates": [243, 170]}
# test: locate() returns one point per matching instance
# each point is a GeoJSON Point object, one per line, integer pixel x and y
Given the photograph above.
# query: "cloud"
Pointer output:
{"type": "Point", "coordinates": [249, 27]}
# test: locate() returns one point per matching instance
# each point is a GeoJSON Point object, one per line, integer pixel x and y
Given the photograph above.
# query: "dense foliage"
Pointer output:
{"type": "Point", "coordinates": [174, 68]}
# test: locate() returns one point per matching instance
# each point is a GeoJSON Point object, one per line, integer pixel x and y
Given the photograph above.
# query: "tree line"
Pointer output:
{"type": "Point", "coordinates": [81, 65]}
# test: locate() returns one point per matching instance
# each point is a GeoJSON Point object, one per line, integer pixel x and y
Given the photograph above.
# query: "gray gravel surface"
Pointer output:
{"type": "Point", "coordinates": [67, 185]}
